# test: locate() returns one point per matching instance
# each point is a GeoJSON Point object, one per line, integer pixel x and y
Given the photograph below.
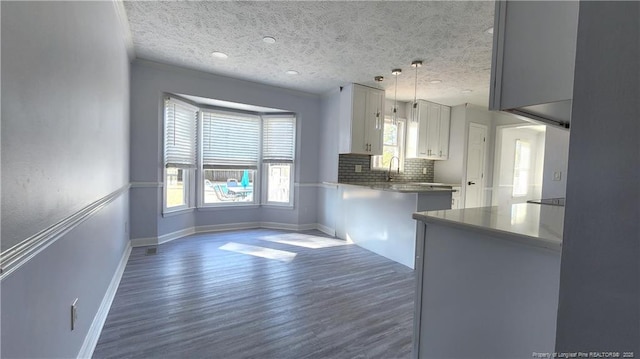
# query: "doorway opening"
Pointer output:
{"type": "Point", "coordinates": [518, 164]}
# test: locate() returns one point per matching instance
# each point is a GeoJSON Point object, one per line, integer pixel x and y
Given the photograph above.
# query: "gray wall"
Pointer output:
{"type": "Point", "coordinates": [65, 144]}
{"type": "Point", "coordinates": [64, 98]}
{"type": "Point", "coordinates": [556, 157]}
{"type": "Point", "coordinates": [149, 80]}
{"type": "Point", "coordinates": [600, 277]}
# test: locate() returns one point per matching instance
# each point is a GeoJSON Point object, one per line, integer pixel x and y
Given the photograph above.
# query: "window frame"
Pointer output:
{"type": "Point", "coordinates": [377, 161]}
{"type": "Point", "coordinates": [261, 181]}
{"type": "Point", "coordinates": [290, 160]}
{"type": "Point", "coordinates": [186, 170]}
{"type": "Point", "coordinates": [519, 169]}
{"type": "Point", "coordinates": [201, 177]}
{"type": "Point", "coordinates": [265, 188]}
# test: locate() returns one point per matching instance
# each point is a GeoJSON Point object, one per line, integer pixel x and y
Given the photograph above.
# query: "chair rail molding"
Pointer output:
{"type": "Point", "coordinates": [16, 256]}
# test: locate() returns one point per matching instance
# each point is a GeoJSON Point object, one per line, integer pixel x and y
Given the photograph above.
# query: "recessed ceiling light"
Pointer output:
{"type": "Point", "coordinates": [435, 82]}
{"type": "Point", "coordinates": [269, 39]}
{"type": "Point", "coordinates": [292, 72]}
{"type": "Point", "coordinates": [489, 30]}
{"type": "Point", "coordinates": [219, 55]}
{"type": "Point", "coordinates": [466, 91]}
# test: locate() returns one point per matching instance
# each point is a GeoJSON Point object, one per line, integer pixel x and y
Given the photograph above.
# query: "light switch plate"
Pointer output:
{"type": "Point", "coordinates": [358, 168]}
{"type": "Point", "coordinates": [557, 176]}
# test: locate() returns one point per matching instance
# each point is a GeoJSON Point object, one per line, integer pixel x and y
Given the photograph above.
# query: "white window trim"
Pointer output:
{"type": "Point", "coordinates": [402, 148]}
{"type": "Point", "coordinates": [187, 193]}
{"type": "Point", "coordinates": [265, 189]}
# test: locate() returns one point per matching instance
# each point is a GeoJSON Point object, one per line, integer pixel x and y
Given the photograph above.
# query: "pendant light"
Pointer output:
{"type": "Point", "coordinates": [414, 108]}
{"type": "Point", "coordinates": [394, 119]}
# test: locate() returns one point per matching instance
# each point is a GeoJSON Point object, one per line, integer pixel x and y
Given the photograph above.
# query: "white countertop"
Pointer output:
{"type": "Point", "coordinates": [539, 225]}
{"type": "Point", "coordinates": [403, 187]}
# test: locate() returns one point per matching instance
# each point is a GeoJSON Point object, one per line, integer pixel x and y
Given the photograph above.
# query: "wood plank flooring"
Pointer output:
{"type": "Point", "coordinates": [325, 299]}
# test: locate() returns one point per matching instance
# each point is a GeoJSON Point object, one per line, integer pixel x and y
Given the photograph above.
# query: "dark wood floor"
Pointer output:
{"type": "Point", "coordinates": [322, 299]}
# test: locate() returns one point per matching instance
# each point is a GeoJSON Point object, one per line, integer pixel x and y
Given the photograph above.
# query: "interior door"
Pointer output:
{"type": "Point", "coordinates": [476, 148]}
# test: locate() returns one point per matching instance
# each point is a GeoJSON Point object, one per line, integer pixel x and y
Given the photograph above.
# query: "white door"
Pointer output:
{"type": "Point", "coordinates": [476, 148]}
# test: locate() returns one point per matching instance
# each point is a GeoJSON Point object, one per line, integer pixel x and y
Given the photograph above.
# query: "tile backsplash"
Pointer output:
{"type": "Point", "coordinates": [412, 170]}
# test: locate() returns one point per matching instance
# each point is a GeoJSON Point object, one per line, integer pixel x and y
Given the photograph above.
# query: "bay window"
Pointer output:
{"type": "Point", "coordinates": [233, 158]}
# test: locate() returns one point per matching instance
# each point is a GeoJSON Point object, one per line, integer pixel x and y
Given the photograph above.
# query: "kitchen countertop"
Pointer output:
{"type": "Point", "coordinates": [534, 224]}
{"type": "Point", "coordinates": [402, 187]}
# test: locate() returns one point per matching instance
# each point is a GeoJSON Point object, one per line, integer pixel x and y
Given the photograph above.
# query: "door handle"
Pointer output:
{"type": "Point", "coordinates": [470, 183]}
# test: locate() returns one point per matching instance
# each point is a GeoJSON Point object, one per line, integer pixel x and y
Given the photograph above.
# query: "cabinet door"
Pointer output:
{"type": "Point", "coordinates": [433, 130]}
{"type": "Point", "coordinates": [375, 121]}
{"type": "Point", "coordinates": [443, 140]}
{"type": "Point", "coordinates": [423, 128]}
{"type": "Point", "coordinates": [359, 142]}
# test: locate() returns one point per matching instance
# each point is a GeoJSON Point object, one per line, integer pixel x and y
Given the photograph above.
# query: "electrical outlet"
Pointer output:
{"type": "Point", "coordinates": [424, 170]}
{"type": "Point", "coordinates": [358, 168]}
{"type": "Point", "coordinates": [74, 313]}
{"type": "Point", "coordinates": [557, 176]}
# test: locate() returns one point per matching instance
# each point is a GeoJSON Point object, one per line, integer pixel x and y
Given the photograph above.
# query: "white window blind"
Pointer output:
{"type": "Point", "coordinates": [279, 138]}
{"type": "Point", "coordinates": [230, 140]}
{"type": "Point", "coordinates": [179, 134]}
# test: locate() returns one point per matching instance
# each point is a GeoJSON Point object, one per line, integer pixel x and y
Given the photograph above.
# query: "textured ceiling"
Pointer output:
{"type": "Point", "coordinates": [329, 43]}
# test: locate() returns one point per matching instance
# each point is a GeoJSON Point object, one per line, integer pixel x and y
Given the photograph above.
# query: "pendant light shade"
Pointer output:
{"type": "Point", "coordinates": [394, 118]}
{"type": "Point", "coordinates": [414, 107]}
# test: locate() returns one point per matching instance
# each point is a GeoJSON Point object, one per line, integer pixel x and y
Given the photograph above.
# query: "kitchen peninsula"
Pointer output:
{"type": "Point", "coordinates": [377, 216]}
{"type": "Point", "coordinates": [487, 281]}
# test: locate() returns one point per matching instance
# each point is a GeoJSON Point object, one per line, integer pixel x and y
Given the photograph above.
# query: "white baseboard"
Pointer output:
{"type": "Point", "coordinates": [143, 242]}
{"type": "Point", "coordinates": [152, 241]}
{"type": "Point", "coordinates": [175, 235]}
{"type": "Point", "coordinates": [227, 227]}
{"type": "Point", "coordinates": [326, 230]}
{"type": "Point", "coordinates": [90, 341]}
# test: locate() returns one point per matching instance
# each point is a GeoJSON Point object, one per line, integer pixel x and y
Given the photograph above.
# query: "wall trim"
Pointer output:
{"type": "Point", "coordinates": [152, 241]}
{"type": "Point", "coordinates": [329, 185]}
{"type": "Point", "coordinates": [298, 184]}
{"type": "Point", "coordinates": [146, 184]}
{"type": "Point", "coordinates": [18, 255]}
{"type": "Point", "coordinates": [90, 341]}
{"type": "Point", "coordinates": [326, 230]}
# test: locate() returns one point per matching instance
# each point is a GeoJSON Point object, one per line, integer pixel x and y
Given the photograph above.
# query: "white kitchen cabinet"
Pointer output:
{"type": "Point", "coordinates": [361, 120]}
{"type": "Point", "coordinates": [534, 51]}
{"type": "Point", "coordinates": [433, 131]}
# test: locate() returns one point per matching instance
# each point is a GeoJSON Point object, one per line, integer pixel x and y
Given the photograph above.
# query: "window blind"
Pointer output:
{"type": "Point", "coordinates": [180, 134]}
{"type": "Point", "coordinates": [279, 138]}
{"type": "Point", "coordinates": [230, 140]}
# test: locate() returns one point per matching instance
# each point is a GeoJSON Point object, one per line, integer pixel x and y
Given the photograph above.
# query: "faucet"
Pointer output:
{"type": "Point", "coordinates": [389, 178]}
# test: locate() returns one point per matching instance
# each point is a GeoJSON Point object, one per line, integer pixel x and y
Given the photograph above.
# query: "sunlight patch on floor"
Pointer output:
{"type": "Point", "coordinates": [304, 240]}
{"type": "Point", "coordinates": [282, 256]}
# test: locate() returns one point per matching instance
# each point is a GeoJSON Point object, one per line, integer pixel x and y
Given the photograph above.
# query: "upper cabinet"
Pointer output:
{"type": "Point", "coordinates": [534, 49]}
{"type": "Point", "coordinates": [428, 137]}
{"type": "Point", "coordinates": [361, 120]}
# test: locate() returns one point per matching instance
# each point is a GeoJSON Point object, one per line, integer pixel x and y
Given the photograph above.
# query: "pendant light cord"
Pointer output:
{"type": "Point", "coordinates": [395, 105]}
{"type": "Point", "coordinates": [415, 98]}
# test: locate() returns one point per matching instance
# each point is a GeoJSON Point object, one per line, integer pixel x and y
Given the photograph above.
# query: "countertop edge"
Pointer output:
{"type": "Point", "coordinates": [551, 244]}
{"type": "Point", "coordinates": [379, 188]}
